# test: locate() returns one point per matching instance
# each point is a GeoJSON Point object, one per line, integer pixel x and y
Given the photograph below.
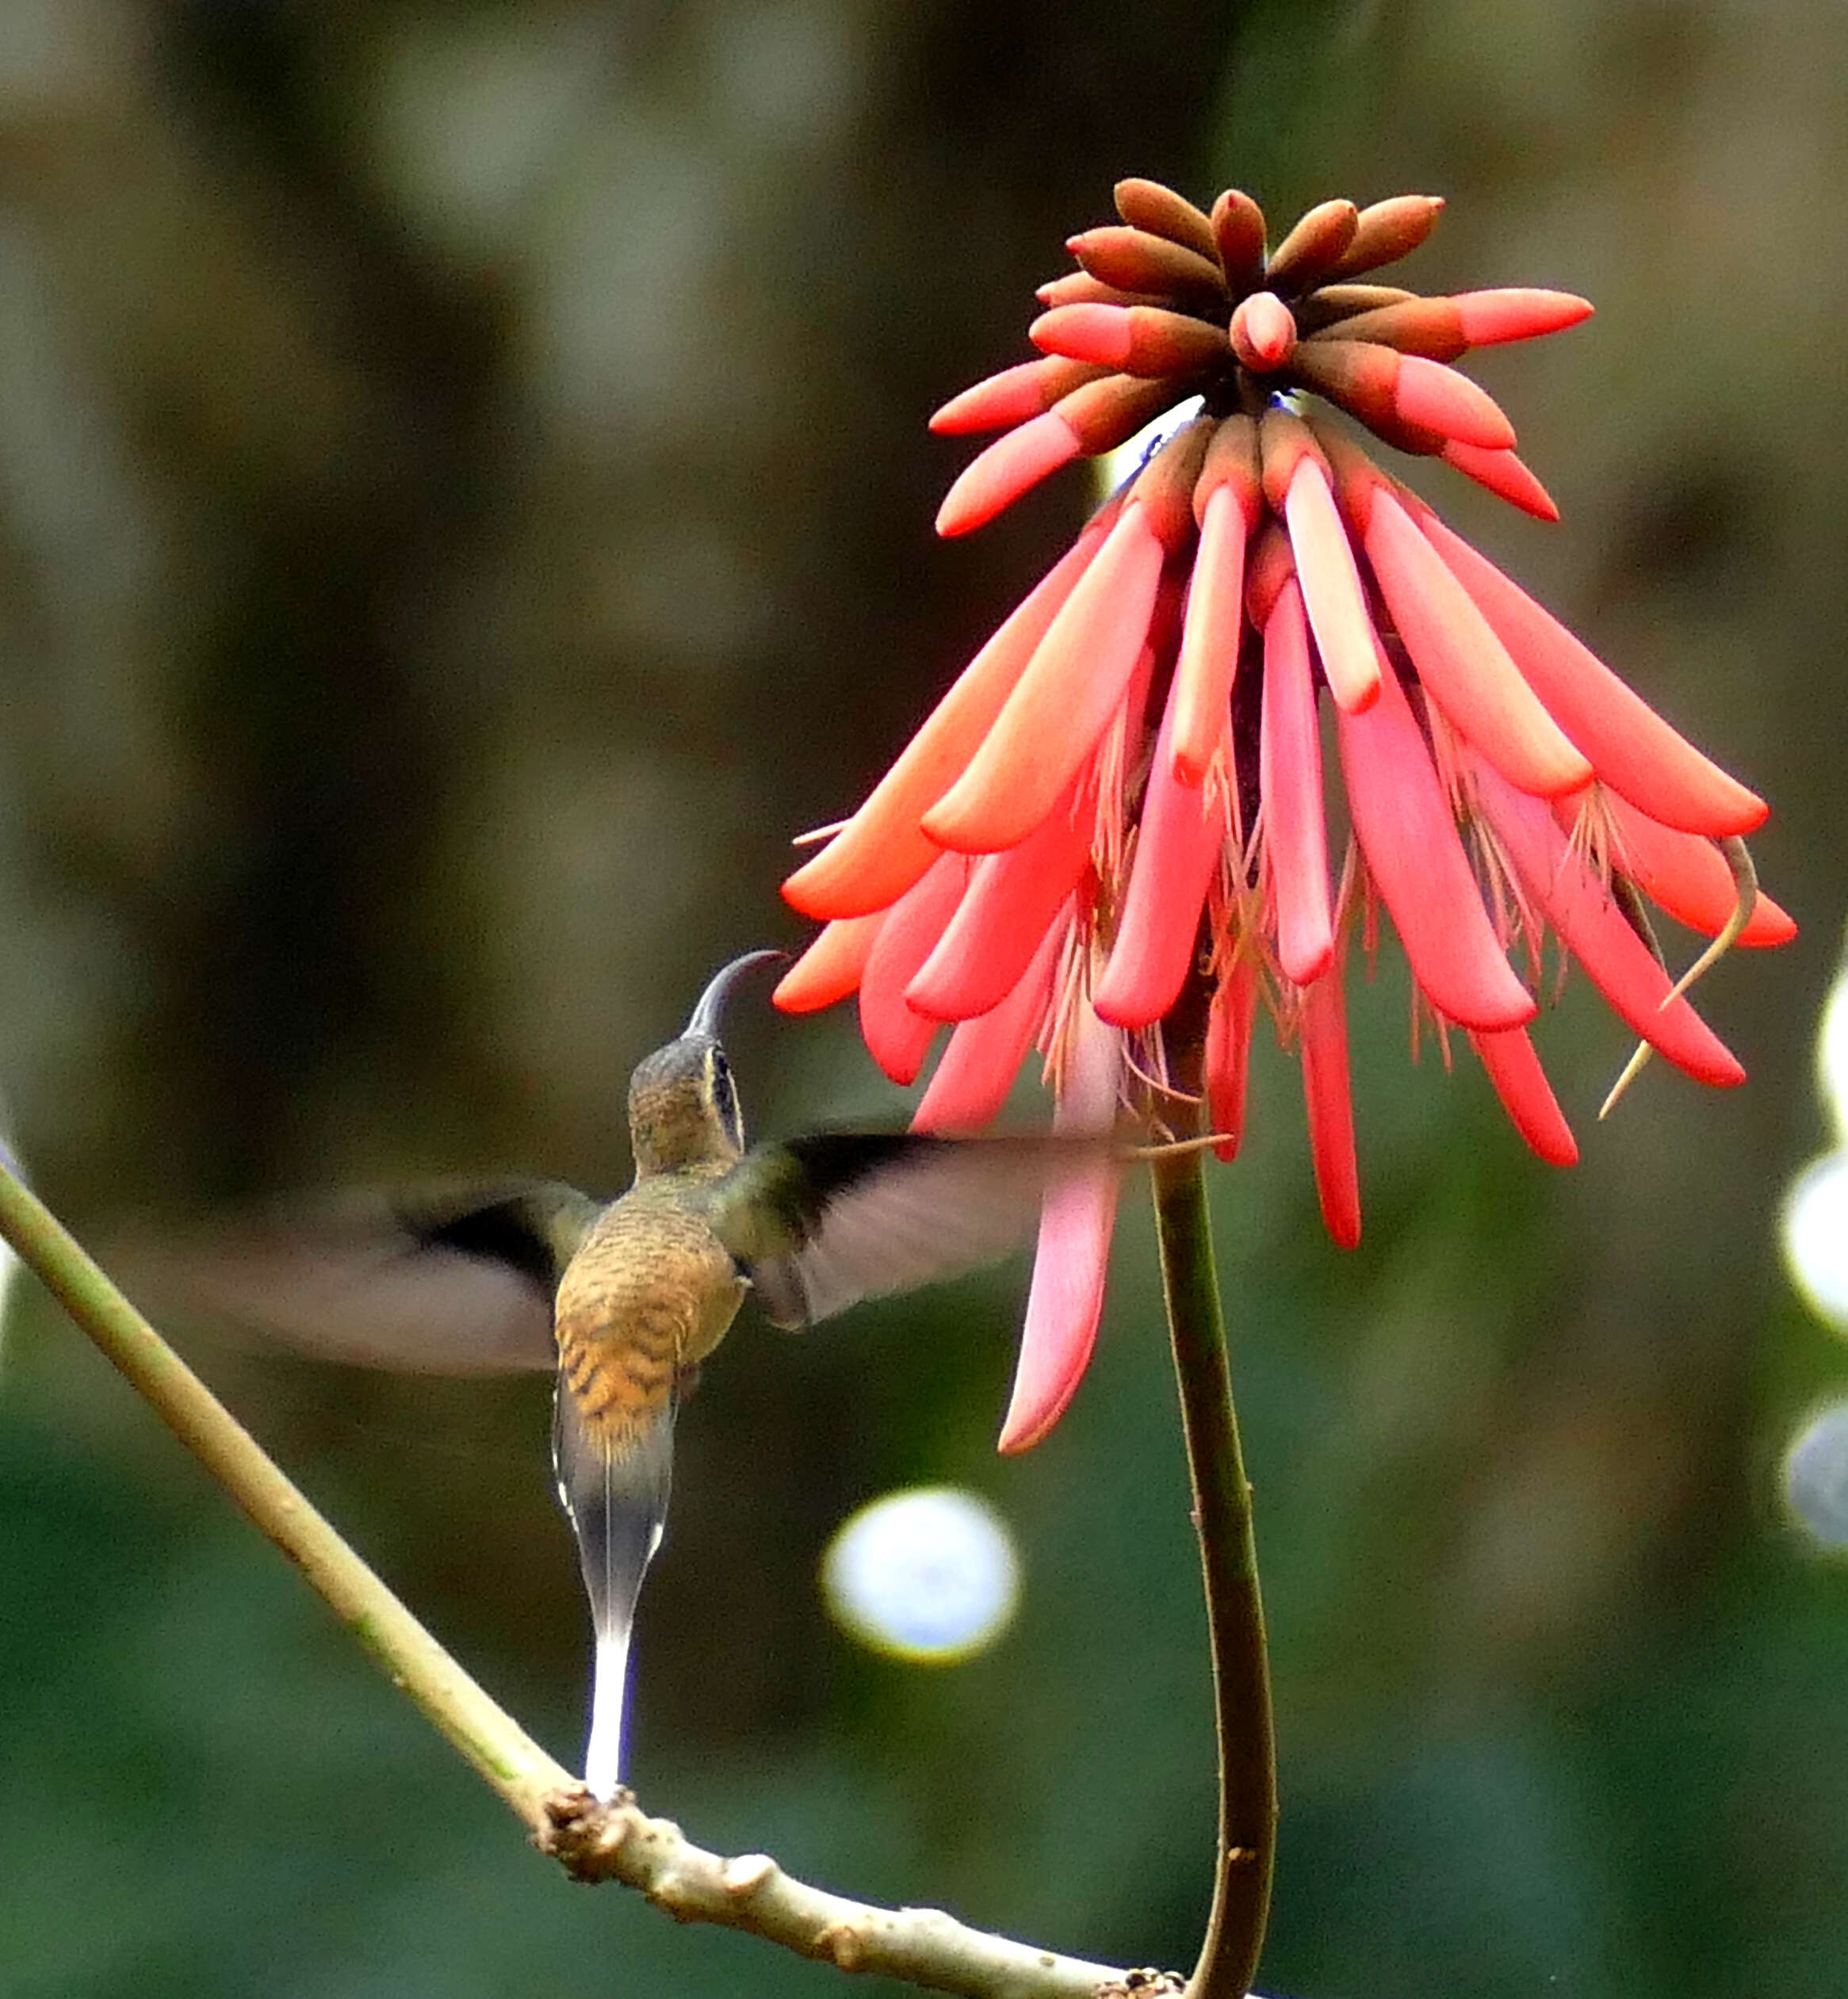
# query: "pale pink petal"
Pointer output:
{"type": "Point", "coordinates": [1331, 589]}
{"type": "Point", "coordinates": [1080, 1213]}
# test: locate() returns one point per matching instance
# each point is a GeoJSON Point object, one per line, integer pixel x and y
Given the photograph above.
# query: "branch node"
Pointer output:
{"type": "Point", "coordinates": [845, 1943]}
{"type": "Point", "coordinates": [744, 1874]}
{"type": "Point", "coordinates": [584, 1835]}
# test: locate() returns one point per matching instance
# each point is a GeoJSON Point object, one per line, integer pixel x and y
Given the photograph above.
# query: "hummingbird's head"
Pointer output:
{"type": "Point", "coordinates": [682, 1105]}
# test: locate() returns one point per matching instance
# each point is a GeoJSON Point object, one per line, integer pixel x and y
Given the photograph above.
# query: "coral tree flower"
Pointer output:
{"type": "Point", "coordinates": [1125, 790]}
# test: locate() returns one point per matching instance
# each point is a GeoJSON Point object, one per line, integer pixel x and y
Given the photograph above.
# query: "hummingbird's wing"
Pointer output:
{"type": "Point", "coordinates": [821, 1222]}
{"type": "Point", "coordinates": [456, 1278]}
{"type": "Point", "coordinates": [617, 1507]}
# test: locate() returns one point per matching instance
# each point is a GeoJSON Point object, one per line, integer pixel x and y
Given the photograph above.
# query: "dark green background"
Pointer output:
{"type": "Point", "coordinates": [464, 502]}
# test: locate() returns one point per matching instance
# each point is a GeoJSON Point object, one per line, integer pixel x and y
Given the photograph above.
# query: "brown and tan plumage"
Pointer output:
{"type": "Point", "coordinates": [626, 1298]}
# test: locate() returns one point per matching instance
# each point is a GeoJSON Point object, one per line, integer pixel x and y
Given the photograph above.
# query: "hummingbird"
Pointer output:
{"type": "Point", "coordinates": [626, 1297]}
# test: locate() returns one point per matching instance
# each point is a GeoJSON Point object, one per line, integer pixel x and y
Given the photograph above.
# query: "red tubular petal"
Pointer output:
{"type": "Point", "coordinates": [1263, 332]}
{"type": "Point", "coordinates": [1434, 397]}
{"type": "Point", "coordinates": [1330, 1106]}
{"type": "Point", "coordinates": [830, 969]}
{"type": "Point", "coordinates": [1290, 776]}
{"type": "Point", "coordinates": [1684, 875]}
{"type": "Point", "coordinates": [1238, 228]}
{"type": "Point", "coordinates": [1053, 718]}
{"type": "Point", "coordinates": [1183, 829]}
{"type": "Point", "coordinates": [1069, 1267]}
{"type": "Point", "coordinates": [1632, 749]}
{"type": "Point", "coordinates": [1526, 1095]}
{"type": "Point", "coordinates": [1410, 841]}
{"type": "Point", "coordinates": [1228, 1054]}
{"type": "Point", "coordinates": [1209, 640]}
{"type": "Point", "coordinates": [1098, 333]}
{"type": "Point", "coordinates": [1593, 929]}
{"type": "Point", "coordinates": [1464, 667]}
{"type": "Point", "coordinates": [1012, 898]}
{"type": "Point", "coordinates": [1009, 467]}
{"type": "Point", "coordinates": [1517, 312]}
{"type": "Point", "coordinates": [881, 851]}
{"type": "Point", "coordinates": [1012, 396]}
{"type": "Point", "coordinates": [972, 1081]}
{"type": "Point", "coordinates": [896, 1038]}
{"type": "Point", "coordinates": [1503, 474]}
{"type": "Point", "coordinates": [1331, 590]}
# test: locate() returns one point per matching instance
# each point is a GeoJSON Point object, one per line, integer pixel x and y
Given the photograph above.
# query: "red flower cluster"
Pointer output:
{"type": "Point", "coordinates": [1125, 787]}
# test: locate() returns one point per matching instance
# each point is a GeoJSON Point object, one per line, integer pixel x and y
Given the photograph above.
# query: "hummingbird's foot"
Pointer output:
{"type": "Point", "coordinates": [584, 1833]}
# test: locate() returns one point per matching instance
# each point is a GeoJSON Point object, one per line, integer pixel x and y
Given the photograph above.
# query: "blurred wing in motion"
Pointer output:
{"type": "Point", "coordinates": [617, 1506]}
{"type": "Point", "coordinates": [452, 1279]}
{"type": "Point", "coordinates": [823, 1220]}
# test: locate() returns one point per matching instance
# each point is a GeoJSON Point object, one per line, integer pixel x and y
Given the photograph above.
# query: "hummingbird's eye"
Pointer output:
{"type": "Point", "coordinates": [724, 1097]}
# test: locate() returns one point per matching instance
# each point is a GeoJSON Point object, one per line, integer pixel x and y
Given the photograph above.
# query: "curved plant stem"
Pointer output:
{"type": "Point", "coordinates": [1222, 1502]}
{"type": "Point", "coordinates": [595, 1842]}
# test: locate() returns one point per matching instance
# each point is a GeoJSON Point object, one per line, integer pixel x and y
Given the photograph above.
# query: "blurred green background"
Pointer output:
{"type": "Point", "coordinates": [464, 502]}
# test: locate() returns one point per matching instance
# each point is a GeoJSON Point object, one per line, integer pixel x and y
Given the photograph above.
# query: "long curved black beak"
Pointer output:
{"type": "Point", "coordinates": [704, 1021]}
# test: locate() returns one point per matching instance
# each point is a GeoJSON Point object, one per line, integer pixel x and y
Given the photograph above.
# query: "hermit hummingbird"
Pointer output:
{"type": "Point", "coordinates": [626, 1297]}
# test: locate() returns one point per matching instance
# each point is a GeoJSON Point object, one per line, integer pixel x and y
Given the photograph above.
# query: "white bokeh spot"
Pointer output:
{"type": "Point", "coordinates": [928, 1575]}
{"type": "Point", "coordinates": [1815, 1476]}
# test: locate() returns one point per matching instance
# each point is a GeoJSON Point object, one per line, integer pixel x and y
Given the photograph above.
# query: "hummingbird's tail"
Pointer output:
{"type": "Point", "coordinates": [616, 1505]}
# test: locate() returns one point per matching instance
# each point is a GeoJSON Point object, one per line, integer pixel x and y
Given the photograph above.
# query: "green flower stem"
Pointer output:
{"type": "Point", "coordinates": [595, 1842]}
{"type": "Point", "coordinates": [1221, 1501]}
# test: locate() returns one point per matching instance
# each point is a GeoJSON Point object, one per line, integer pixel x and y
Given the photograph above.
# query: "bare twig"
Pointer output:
{"type": "Point", "coordinates": [595, 1842]}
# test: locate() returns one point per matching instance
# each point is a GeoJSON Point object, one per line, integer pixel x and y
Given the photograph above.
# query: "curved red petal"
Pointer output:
{"type": "Point", "coordinates": [1329, 1103]}
{"type": "Point", "coordinates": [1503, 474]}
{"type": "Point", "coordinates": [1074, 684]}
{"type": "Point", "coordinates": [1403, 823]}
{"type": "Point", "coordinates": [1228, 1021]}
{"type": "Point", "coordinates": [1526, 1095]}
{"type": "Point", "coordinates": [984, 1056]}
{"type": "Point", "coordinates": [1290, 776]}
{"type": "Point", "coordinates": [881, 850]}
{"type": "Point", "coordinates": [1009, 467]}
{"type": "Point", "coordinates": [1631, 748]}
{"type": "Point", "coordinates": [1210, 635]}
{"type": "Point", "coordinates": [1684, 875]}
{"type": "Point", "coordinates": [1464, 667]}
{"type": "Point", "coordinates": [1432, 396]}
{"type": "Point", "coordinates": [831, 968]}
{"type": "Point", "coordinates": [1184, 828]}
{"type": "Point", "coordinates": [1595, 929]}
{"type": "Point", "coordinates": [1011, 901]}
{"type": "Point", "coordinates": [897, 1036]}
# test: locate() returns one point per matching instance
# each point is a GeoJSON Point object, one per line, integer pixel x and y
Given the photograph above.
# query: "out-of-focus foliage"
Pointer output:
{"type": "Point", "coordinates": [463, 504]}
